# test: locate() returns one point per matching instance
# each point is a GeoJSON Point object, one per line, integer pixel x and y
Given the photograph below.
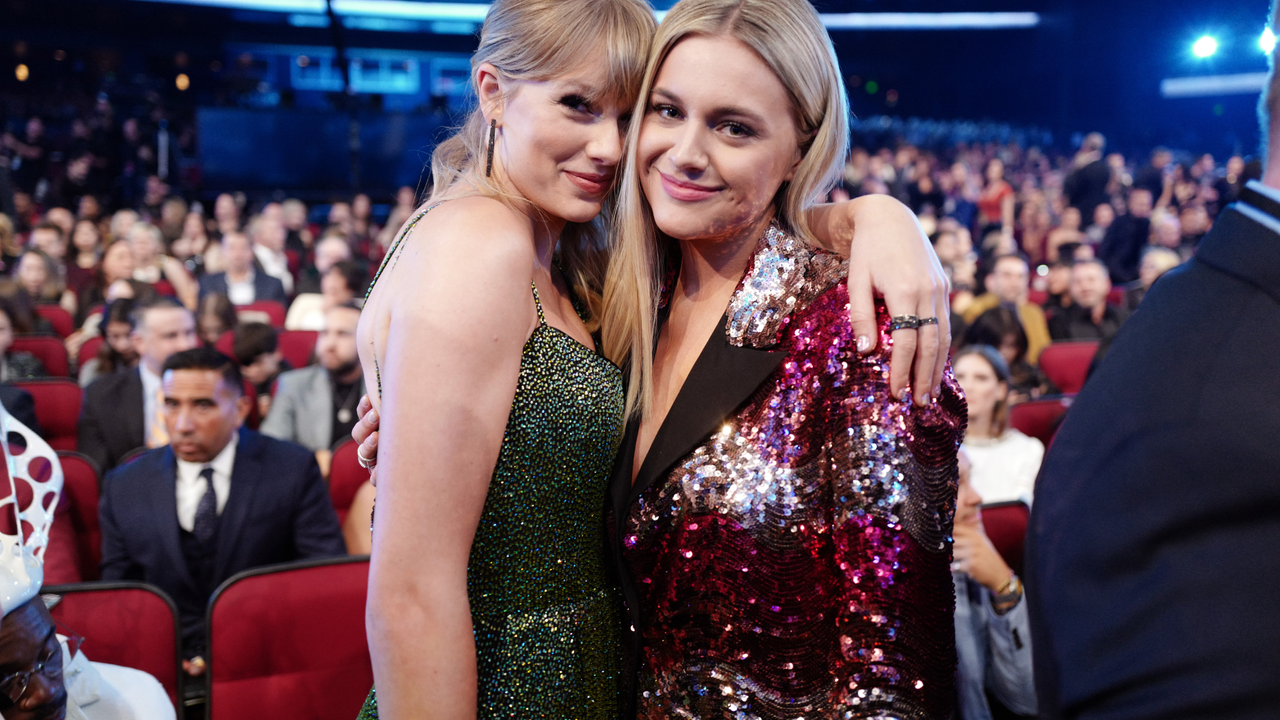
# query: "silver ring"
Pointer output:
{"type": "Point", "coordinates": [928, 321]}
{"type": "Point", "coordinates": [367, 464]}
{"type": "Point", "coordinates": [904, 322]}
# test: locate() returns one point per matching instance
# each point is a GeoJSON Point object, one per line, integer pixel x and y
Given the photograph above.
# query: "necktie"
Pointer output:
{"type": "Point", "coordinates": [159, 435]}
{"type": "Point", "coordinates": [206, 523]}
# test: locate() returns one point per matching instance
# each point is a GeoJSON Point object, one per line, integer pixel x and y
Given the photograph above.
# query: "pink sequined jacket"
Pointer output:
{"type": "Point", "coordinates": [785, 547]}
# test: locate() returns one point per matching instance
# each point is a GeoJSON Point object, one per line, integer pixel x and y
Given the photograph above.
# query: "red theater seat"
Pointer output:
{"type": "Point", "coordinates": [1116, 296]}
{"type": "Point", "coordinates": [297, 346]}
{"type": "Point", "coordinates": [1037, 297]}
{"type": "Point", "coordinates": [288, 641]}
{"type": "Point", "coordinates": [57, 409]}
{"type": "Point", "coordinates": [226, 343]}
{"type": "Point", "coordinates": [272, 311]}
{"type": "Point", "coordinates": [89, 350]}
{"type": "Point", "coordinates": [124, 623]}
{"type": "Point", "coordinates": [345, 477]}
{"type": "Point", "coordinates": [1006, 526]}
{"type": "Point", "coordinates": [1066, 363]}
{"type": "Point", "coordinates": [1039, 418]}
{"type": "Point", "coordinates": [75, 540]}
{"type": "Point", "coordinates": [49, 349]}
{"type": "Point", "coordinates": [58, 317]}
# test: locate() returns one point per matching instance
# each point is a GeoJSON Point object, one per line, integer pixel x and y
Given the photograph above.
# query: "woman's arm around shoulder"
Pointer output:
{"type": "Point", "coordinates": [460, 310]}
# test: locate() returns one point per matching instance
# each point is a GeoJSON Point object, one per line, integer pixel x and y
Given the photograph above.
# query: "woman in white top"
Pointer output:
{"type": "Point", "coordinates": [1005, 462]}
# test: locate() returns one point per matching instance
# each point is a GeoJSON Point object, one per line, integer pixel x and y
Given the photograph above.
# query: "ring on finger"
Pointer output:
{"type": "Point", "coordinates": [366, 463]}
{"type": "Point", "coordinates": [928, 321]}
{"type": "Point", "coordinates": [904, 322]}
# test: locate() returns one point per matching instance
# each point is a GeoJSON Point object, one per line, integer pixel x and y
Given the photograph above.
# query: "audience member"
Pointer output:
{"type": "Point", "coordinates": [86, 245]}
{"type": "Point", "coordinates": [1089, 317]}
{"type": "Point", "coordinates": [226, 214]}
{"type": "Point", "coordinates": [117, 353]}
{"type": "Point", "coordinates": [116, 267]}
{"type": "Point", "coordinates": [241, 282]}
{"type": "Point", "coordinates": [995, 203]}
{"type": "Point", "coordinates": [1001, 328]}
{"type": "Point", "coordinates": [1008, 284]}
{"type": "Point", "coordinates": [1086, 186]}
{"type": "Point", "coordinates": [1151, 177]}
{"type": "Point", "coordinates": [331, 248]}
{"type": "Point", "coordinates": [342, 283]}
{"type": "Point", "coordinates": [48, 238]}
{"type": "Point", "coordinates": [993, 633]}
{"type": "Point", "coordinates": [1156, 261]}
{"type": "Point", "coordinates": [190, 246]}
{"type": "Point", "coordinates": [257, 350]}
{"type": "Point", "coordinates": [1005, 462]}
{"type": "Point", "coordinates": [1067, 233]}
{"type": "Point", "coordinates": [10, 250]}
{"type": "Point", "coordinates": [14, 365]}
{"type": "Point", "coordinates": [152, 266]}
{"type": "Point", "coordinates": [1121, 248]}
{"type": "Point", "coordinates": [215, 316]}
{"type": "Point", "coordinates": [298, 238]}
{"type": "Point", "coordinates": [241, 500]}
{"type": "Point", "coordinates": [123, 411]}
{"type": "Point", "coordinates": [268, 236]}
{"type": "Point", "coordinates": [37, 276]}
{"type": "Point", "coordinates": [1103, 217]}
{"type": "Point", "coordinates": [316, 405]}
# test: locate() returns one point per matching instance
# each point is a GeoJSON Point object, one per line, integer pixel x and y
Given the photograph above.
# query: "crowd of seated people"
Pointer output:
{"type": "Point", "coordinates": [1040, 248]}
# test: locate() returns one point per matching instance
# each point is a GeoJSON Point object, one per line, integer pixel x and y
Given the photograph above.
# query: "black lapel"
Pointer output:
{"type": "Point", "coordinates": [163, 492]}
{"type": "Point", "coordinates": [245, 474]}
{"type": "Point", "coordinates": [1240, 246]}
{"type": "Point", "coordinates": [723, 377]}
{"type": "Point", "coordinates": [1252, 196]}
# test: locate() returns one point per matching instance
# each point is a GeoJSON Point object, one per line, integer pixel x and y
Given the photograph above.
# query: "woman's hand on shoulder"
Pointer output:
{"type": "Point", "coordinates": [889, 254]}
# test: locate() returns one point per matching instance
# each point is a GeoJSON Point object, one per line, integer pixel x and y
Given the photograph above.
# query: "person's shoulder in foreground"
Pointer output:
{"type": "Point", "coordinates": [1154, 569]}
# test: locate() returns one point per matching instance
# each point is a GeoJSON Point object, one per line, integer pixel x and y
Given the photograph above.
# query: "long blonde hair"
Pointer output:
{"type": "Point", "coordinates": [788, 35]}
{"type": "Point", "coordinates": [535, 40]}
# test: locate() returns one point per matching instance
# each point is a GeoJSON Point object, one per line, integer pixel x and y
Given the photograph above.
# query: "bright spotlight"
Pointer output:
{"type": "Point", "coordinates": [1267, 43]}
{"type": "Point", "coordinates": [1205, 46]}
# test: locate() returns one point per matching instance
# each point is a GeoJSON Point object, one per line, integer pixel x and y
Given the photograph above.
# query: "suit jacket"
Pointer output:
{"type": "Point", "coordinates": [1154, 545]}
{"type": "Point", "coordinates": [278, 511]}
{"type": "Point", "coordinates": [265, 287]}
{"type": "Point", "coordinates": [781, 470]}
{"type": "Point", "coordinates": [302, 410]}
{"type": "Point", "coordinates": [112, 422]}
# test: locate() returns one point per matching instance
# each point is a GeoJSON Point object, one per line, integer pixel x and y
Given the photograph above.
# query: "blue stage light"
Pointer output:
{"type": "Point", "coordinates": [1267, 43]}
{"type": "Point", "coordinates": [1205, 46]}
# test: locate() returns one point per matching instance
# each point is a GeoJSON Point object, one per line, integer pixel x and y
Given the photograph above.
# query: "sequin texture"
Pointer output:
{"type": "Point", "coordinates": [796, 563]}
{"type": "Point", "coordinates": [544, 611]}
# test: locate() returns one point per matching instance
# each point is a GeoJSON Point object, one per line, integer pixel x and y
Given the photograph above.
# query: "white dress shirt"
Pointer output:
{"type": "Point", "coordinates": [100, 691]}
{"type": "Point", "coordinates": [192, 487]}
{"type": "Point", "coordinates": [276, 265]}
{"type": "Point", "coordinates": [151, 386]}
{"type": "Point", "coordinates": [241, 293]}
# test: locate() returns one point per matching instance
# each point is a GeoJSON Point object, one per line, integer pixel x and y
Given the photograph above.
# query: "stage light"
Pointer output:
{"type": "Point", "coordinates": [1205, 46]}
{"type": "Point", "coordinates": [182, 81]}
{"type": "Point", "coordinates": [22, 72]}
{"type": "Point", "coordinates": [1267, 43]}
{"type": "Point", "coordinates": [873, 87]}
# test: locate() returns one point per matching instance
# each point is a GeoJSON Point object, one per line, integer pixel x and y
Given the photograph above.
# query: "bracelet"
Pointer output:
{"type": "Point", "coordinates": [1008, 596]}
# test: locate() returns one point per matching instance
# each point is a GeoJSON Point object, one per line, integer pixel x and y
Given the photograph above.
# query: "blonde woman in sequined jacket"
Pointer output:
{"type": "Point", "coordinates": [782, 519]}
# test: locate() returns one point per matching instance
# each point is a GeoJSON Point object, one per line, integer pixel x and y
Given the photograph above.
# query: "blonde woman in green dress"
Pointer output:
{"type": "Point", "coordinates": [489, 594]}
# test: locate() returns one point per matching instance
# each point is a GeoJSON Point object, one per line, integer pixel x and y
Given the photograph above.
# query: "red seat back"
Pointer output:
{"type": "Point", "coordinates": [1116, 296]}
{"type": "Point", "coordinates": [1037, 297]}
{"type": "Point", "coordinates": [80, 486]}
{"type": "Point", "coordinates": [288, 641]}
{"type": "Point", "coordinates": [297, 346]}
{"type": "Point", "coordinates": [59, 318]}
{"type": "Point", "coordinates": [226, 344]}
{"type": "Point", "coordinates": [1006, 525]}
{"type": "Point", "coordinates": [272, 310]}
{"type": "Point", "coordinates": [1039, 418]}
{"type": "Point", "coordinates": [49, 349]}
{"type": "Point", "coordinates": [57, 409]}
{"type": "Point", "coordinates": [89, 349]}
{"type": "Point", "coordinates": [1066, 364]}
{"type": "Point", "coordinates": [345, 478]}
{"type": "Point", "coordinates": [124, 623]}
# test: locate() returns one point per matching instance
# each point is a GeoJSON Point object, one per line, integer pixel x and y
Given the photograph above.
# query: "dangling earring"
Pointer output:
{"type": "Point", "coordinates": [493, 132]}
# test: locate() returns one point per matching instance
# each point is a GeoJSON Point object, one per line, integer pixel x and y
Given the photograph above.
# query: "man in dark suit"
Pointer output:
{"type": "Point", "coordinates": [1154, 546]}
{"type": "Point", "coordinates": [242, 282]}
{"type": "Point", "coordinates": [121, 411]}
{"type": "Point", "coordinates": [218, 500]}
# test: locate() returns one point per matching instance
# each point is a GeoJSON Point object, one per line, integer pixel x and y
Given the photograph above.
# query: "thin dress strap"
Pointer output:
{"type": "Point", "coordinates": [542, 319]}
{"type": "Point", "coordinates": [387, 260]}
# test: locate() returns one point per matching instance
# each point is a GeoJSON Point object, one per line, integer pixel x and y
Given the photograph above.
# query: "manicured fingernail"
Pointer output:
{"type": "Point", "coordinates": [373, 416]}
{"type": "Point", "coordinates": [864, 343]}
{"type": "Point", "coordinates": [905, 395]}
{"type": "Point", "coordinates": [937, 392]}
{"type": "Point", "coordinates": [373, 440]}
{"type": "Point", "coordinates": [924, 400]}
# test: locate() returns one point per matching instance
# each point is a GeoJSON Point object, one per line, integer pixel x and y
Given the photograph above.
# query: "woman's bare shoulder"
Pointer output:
{"type": "Point", "coordinates": [472, 235]}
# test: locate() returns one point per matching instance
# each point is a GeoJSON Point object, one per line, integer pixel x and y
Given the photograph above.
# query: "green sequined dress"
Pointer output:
{"type": "Point", "coordinates": [544, 611]}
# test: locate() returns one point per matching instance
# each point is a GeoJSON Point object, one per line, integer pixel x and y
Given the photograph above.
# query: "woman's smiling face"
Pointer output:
{"type": "Point", "coordinates": [717, 141]}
